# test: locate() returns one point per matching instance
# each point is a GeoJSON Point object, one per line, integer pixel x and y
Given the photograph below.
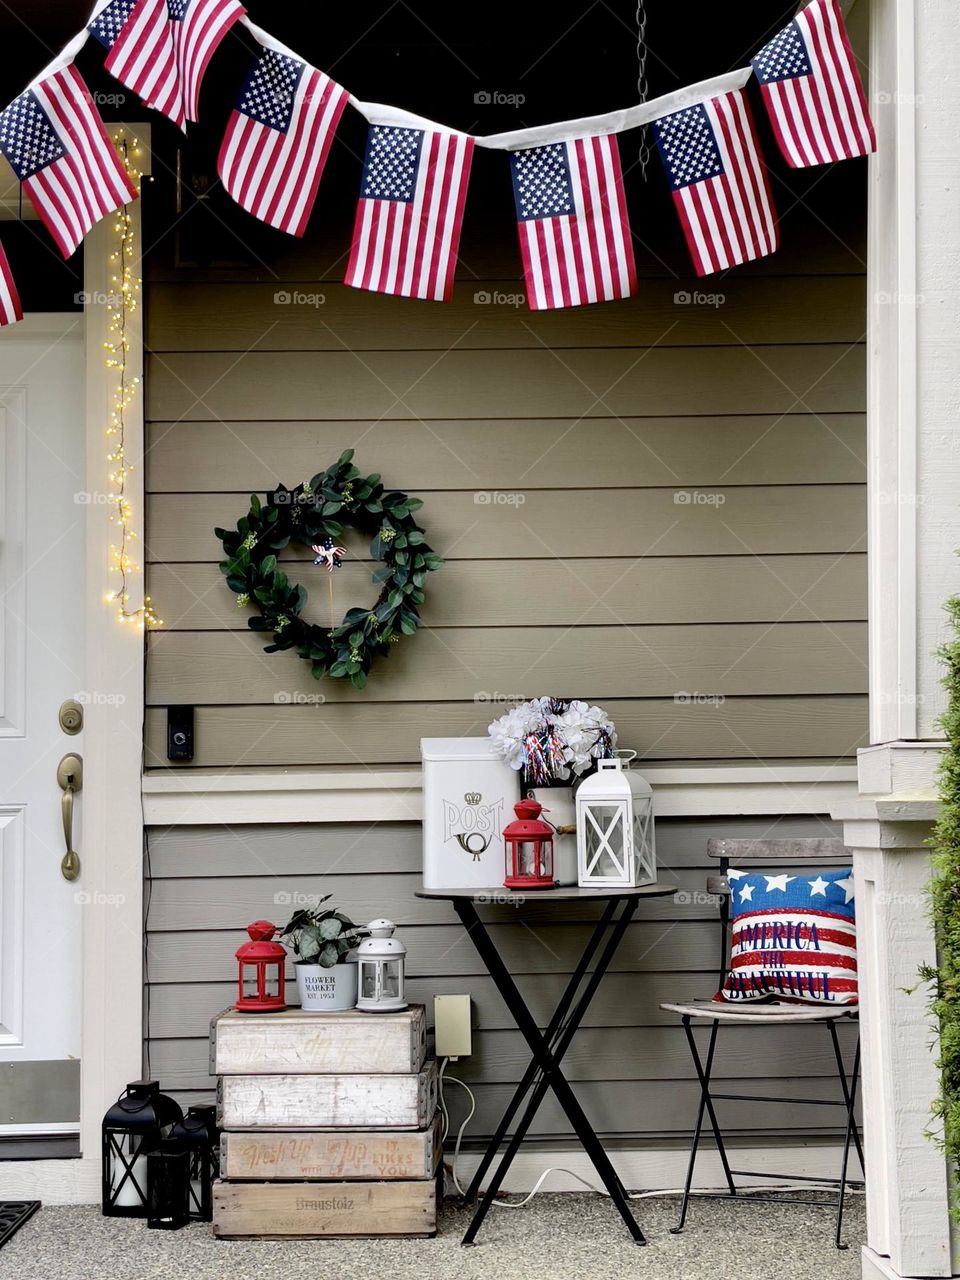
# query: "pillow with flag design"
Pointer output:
{"type": "Point", "coordinates": [793, 937]}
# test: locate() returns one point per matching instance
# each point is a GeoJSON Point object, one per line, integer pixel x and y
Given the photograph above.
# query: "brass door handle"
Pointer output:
{"type": "Point", "coordinates": [70, 780]}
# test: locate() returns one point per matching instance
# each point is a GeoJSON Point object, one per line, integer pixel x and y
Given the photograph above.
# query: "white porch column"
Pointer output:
{"type": "Point", "coordinates": [908, 1224]}
{"type": "Point", "coordinates": [914, 528]}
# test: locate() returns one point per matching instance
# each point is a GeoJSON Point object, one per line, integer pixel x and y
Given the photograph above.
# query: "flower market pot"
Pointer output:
{"type": "Point", "coordinates": [560, 810]}
{"type": "Point", "coordinates": [323, 990]}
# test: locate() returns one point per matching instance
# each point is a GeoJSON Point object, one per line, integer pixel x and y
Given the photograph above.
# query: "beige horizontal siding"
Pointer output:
{"type": "Point", "coordinates": [599, 592]}
{"type": "Point", "coordinates": [567, 523]}
{"type": "Point", "coordinates": [751, 729]}
{"type": "Point", "coordinates": [704, 448]}
{"type": "Point", "coordinates": [241, 316]}
{"type": "Point", "coordinates": [216, 667]}
{"type": "Point", "coordinates": [398, 385]}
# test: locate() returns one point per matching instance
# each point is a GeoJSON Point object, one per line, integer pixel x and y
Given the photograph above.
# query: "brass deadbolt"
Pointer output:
{"type": "Point", "coordinates": [71, 716]}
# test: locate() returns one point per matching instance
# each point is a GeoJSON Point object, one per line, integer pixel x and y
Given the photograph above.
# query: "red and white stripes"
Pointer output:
{"type": "Point", "coordinates": [821, 116]}
{"type": "Point", "coordinates": [730, 218]}
{"type": "Point", "coordinates": [274, 173]}
{"type": "Point", "coordinates": [585, 256]}
{"type": "Point", "coordinates": [87, 182]}
{"type": "Point", "coordinates": [409, 247]}
{"type": "Point", "coordinates": [144, 59]}
{"type": "Point", "coordinates": [10, 309]}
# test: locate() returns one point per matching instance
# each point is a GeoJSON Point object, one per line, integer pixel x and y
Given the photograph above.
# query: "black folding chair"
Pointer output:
{"type": "Point", "coordinates": [779, 854]}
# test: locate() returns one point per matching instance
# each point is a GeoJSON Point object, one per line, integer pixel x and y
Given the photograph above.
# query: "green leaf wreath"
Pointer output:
{"type": "Point", "coordinates": [322, 508]}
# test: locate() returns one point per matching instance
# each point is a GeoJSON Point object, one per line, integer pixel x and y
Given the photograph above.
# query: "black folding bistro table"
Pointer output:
{"type": "Point", "coordinates": [548, 1047]}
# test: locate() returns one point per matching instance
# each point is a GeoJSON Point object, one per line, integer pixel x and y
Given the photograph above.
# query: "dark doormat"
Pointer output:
{"type": "Point", "coordinates": [13, 1214]}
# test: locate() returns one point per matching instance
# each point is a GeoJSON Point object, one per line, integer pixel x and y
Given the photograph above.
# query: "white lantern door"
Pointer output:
{"type": "Point", "coordinates": [644, 849]}
{"type": "Point", "coordinates": [607, 845]}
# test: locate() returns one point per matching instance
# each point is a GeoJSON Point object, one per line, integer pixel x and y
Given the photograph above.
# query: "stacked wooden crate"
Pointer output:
{"type": "Point", "coordinates": [330, 1124]}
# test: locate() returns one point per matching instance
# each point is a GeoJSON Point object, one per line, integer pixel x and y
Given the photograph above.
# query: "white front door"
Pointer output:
{"type": "Point", "coordinates": [42, 521]}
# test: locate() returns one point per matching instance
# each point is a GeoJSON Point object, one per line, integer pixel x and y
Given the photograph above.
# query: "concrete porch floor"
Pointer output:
{"type": "Point", "coordinates": [555, 1237]}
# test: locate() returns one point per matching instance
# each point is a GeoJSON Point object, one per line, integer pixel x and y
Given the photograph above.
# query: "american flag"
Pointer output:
{"type": "Point", "coordinates": [792, 937]}
{"type": "Point", "coordinates": [141, 55]}
{"type": "Point", "coordinates": [10, 309]}
{"type": "Point", "coordinates": [277, 139]}
{"type": "Point", "coordinates": [808, 79]}
{"type": "Point", "coordinates": [572, 219]}
{"type": "Point", "coordinates": [407, 228]}
{"type": "Point", "coordinates": [718, 181]}
{"type": "Point", "coordinates": [197, 27]}
{"type": "Point", "coordinates": [57, 146]}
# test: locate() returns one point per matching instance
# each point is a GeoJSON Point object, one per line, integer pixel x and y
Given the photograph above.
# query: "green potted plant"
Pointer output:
{"type": "Point", "coordinates": [323, 942]}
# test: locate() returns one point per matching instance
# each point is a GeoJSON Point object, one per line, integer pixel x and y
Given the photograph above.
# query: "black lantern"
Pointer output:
{"type": "Point", "coordinates": [168, 1177]}
{"type": "Point", "coordinates": [136, 1123]}
{"type": "Point", "coordinates": [197, 1133]}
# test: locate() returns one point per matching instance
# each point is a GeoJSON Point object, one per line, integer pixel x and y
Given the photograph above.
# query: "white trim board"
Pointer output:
{"type": "Point", "coordinates": [188, 797]}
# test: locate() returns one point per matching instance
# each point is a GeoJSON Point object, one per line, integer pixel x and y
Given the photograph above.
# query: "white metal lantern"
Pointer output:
{"type": "Point", "coordinates": [381, 961]}
{"type": "Point", "coordinates": [615, 838]}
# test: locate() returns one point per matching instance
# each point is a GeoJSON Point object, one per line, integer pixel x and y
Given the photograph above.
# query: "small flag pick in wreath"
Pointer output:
{"type": "Point", "coordinates": [315, 515]}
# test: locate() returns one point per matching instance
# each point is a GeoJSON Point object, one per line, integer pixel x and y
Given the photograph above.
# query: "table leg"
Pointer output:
{"type": "Point", "coordinates": [553, 1028]}
{"type": "Point", "coordinates": [545, 1061]}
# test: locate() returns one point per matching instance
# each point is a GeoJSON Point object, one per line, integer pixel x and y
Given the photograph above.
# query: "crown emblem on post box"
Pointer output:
{"type": "Point", "coordinates": [472, 797]}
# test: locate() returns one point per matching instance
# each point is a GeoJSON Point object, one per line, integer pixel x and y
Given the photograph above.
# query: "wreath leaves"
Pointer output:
{"type": "Point", "coordinates": [332, 501]}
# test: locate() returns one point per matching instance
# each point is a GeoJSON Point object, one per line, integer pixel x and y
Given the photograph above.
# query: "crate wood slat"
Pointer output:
{"type": "Point", "coordinates": [271, 1157]}
{"type": "Point", "coordinates": [267, 1209]}
{"type": "Point", "coordinates": [328, 1102]}
{"type": "Point", "coordinates": [295, 1042]}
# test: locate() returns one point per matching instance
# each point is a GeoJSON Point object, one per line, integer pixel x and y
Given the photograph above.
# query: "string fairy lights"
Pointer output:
{"type": "Point", "coordinates": [122, 301]}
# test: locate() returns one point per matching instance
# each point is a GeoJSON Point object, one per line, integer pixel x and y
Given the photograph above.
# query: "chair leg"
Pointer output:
{"type": "Point", "coordinates": [841, 1072]}
{"type": "Point", "coordinates": [706, 1105]}
{"type": "Point", "coordinates": [851, 1099]}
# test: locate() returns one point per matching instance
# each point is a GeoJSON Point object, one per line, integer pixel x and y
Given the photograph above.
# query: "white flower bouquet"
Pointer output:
{"type": "Point", "coordinates": [552, 740]}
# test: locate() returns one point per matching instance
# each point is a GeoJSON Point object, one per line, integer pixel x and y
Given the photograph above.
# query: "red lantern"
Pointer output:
{"type": "Point", "coordinates": [528, 849]}
{"type": "Point", "coordinates": [263, 990]}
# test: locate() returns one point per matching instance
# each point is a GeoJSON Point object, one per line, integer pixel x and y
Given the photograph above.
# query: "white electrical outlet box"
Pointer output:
{"type": "Point", "coordinates": [451, 1017]}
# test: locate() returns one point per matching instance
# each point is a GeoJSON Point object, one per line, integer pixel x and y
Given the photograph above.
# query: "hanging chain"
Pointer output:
{"type": "Point", "coordinates": [643, 88]}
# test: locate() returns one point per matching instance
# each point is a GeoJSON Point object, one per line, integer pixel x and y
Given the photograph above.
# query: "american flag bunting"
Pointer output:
{"type": "Point", "coordinates": [197, 27]}
{"type": "Point", "coordinates": [409, 215]}
{"type": "Point", "coordinates": [572, 222]}
{"type": "Point", "coordinates": [141, 54]}
{"type": "Point", "coordinates": [809, 82]}
{"type": "Point", "coordinates": [793, 937]}
{"type": "Point", "coordinates": [719, 182]}
{"type": "Point", "coordinates": [277, 139]}
{"type": "Point", "coordinates": [10, 309]}
{"type": "Point", "coordinates": [56, 144]}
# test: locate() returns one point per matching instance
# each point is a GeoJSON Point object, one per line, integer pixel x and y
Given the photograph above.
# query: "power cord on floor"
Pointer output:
{"type": "Point", "coordinates": [633, 1195]}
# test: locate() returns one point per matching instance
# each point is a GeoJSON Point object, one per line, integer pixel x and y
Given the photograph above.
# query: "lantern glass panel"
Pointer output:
{"type": "Point", "coordinates": [390, 980]}
{"type": "Point", "coordinates": [128, 1170]}
{"type": "Point", "coordinates": [606, 856]}
{"type": "Point", "coordinates": [368, 979]}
